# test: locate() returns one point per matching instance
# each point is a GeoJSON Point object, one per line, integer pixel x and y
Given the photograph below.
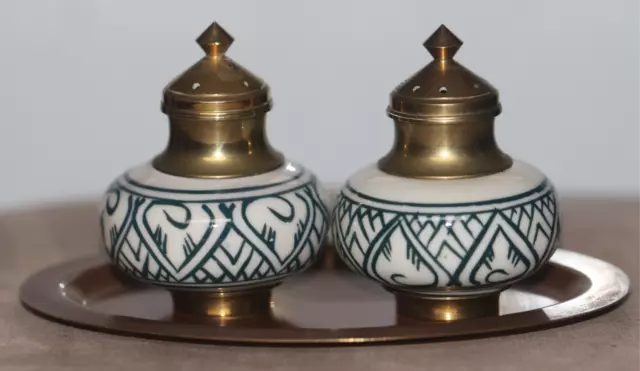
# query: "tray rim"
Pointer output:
{"type": "Point", "coordinates": [601, 297]}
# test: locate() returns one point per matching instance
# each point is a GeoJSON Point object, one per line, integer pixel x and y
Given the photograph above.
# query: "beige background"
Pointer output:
{"type": "Point", "coordinates": [33, 239]}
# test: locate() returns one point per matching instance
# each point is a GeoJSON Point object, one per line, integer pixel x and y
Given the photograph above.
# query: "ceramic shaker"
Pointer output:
{"type": "Point", "coordinates": [446, 220]}
{"type": "Point", "coordinates": [219, 217]}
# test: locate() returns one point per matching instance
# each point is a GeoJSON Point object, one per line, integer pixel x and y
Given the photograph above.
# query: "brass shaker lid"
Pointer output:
{"type": "Point", "coordinates": [444, 119]}
{"type": "Point", "coordinates": [217, 115]}
{"type": "Point", "coordinates": [216, 86]}
{"type": "Point", "coordinates": [444, 88]}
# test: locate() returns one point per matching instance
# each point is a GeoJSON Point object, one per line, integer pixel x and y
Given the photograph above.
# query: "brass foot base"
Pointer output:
{"type": "Point", "coordinates": [446, 308]}
{"type": "Point", "coordinates": [223, 304]}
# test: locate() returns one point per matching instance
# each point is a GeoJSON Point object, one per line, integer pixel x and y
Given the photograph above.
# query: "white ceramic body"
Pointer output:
{"type": "Point", "coordinates": [447, 237]}
{"type": "Point", "coordinates": [194, 233]}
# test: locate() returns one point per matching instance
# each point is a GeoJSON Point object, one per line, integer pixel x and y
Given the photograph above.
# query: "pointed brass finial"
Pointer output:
{"type": "Point", "coordinates": [443, 44]}
{"type": "Point", "coordinates": [215, 40]}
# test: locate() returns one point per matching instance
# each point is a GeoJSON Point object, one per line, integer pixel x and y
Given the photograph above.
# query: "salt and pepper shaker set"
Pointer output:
{"type": "Point", "coordinates": [445, 220]}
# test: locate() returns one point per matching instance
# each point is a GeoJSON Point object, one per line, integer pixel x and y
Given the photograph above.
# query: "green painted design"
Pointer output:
{"type": "Point", "coordinates": [442, 246]}
{"type": "Point", "coordinates": [243, 236]}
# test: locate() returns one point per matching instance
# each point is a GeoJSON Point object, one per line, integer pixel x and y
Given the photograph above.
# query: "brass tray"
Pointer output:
{"type": "Point", "coordinates": [322, 306]}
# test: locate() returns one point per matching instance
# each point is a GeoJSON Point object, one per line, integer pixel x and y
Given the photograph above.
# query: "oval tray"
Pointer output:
{"type": "Point", "coordinates": [322, 306]}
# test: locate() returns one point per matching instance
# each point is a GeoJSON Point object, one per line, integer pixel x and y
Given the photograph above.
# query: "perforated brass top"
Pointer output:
{"type": "Point", "coordinates": [444, 118]}
{"type": "Point", "coordinates": [216, 86]}
{"type": "Point", "coordinates": [444, 88]}
{"type": "Point", "coordinates": [217, 114]}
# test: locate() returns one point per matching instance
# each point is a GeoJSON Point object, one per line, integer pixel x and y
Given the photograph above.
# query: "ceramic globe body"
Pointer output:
{"type": "Point", "coordinates": [450, 237]}
{"type": "Point", "coordinates": [195, 233]}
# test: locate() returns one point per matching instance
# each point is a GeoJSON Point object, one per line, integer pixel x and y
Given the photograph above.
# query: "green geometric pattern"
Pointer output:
{"type": "Point", "coordinates": [437, 246]}
{"type": "Point", "coordinates": [209, 238]}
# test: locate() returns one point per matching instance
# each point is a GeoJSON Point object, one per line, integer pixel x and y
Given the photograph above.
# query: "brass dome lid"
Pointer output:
{"type": "Point", "coordinates": [444, 88]}
{"type": "Point", "coordinates": [216, 86]}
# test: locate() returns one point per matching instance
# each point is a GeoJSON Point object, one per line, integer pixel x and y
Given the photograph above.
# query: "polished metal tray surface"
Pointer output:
{"type": "Point", "coordinates": [321, 306]}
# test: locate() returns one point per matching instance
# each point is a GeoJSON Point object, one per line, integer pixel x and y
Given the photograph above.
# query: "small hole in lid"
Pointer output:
{"type": "Point", "coordinates": [476, 86]}
{"type": "Point", "coordinates": [415, 88]}
{"type": "Point", "coordinates": [245, 83]}
{"type": "Point", "coordinates": [443, 90]}
{"type": "Point", "coordinates": [195, 85]}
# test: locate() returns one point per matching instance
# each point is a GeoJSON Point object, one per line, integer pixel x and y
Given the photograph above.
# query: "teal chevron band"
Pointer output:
{"type": "Point", "coordinates": [471, 245]}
